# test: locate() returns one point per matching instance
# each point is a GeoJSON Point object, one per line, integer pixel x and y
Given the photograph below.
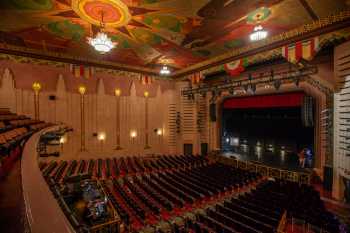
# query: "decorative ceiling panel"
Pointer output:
{"type": "Point", "coordinates": [149, 33]}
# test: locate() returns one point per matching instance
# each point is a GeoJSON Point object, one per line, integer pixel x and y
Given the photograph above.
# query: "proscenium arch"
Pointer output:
{"type": "Point", "coordinates": [320, 98]}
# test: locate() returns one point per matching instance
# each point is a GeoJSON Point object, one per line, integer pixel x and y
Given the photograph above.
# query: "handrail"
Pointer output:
{"type": "Point", "coordinates": [282, 224]}
{"type": "Point", "coordinates": [44, 214]}
{"type": "Point", "coordinates": [111, 226]}
{"type": "Point", "coordinates": [295, 176]}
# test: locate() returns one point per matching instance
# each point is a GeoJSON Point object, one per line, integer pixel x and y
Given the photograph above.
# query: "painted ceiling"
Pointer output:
{"type": "Point", "coordinates": [149, 33]}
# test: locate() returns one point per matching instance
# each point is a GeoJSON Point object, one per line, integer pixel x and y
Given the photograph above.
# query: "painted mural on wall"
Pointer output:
{"type": "Point", "coordinates": [152, 32]}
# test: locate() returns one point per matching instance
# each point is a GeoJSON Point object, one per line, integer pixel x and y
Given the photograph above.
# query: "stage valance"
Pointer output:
{"type": "Point", "coordinates": [294, 99]}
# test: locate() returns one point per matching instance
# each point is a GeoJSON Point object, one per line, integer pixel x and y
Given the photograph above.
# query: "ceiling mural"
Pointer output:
{"type": "Point", "coordinates": [150, 33]}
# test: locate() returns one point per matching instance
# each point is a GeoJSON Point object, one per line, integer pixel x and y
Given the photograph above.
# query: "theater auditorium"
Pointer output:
{"type": "Point", "coordinates": [174, 116]}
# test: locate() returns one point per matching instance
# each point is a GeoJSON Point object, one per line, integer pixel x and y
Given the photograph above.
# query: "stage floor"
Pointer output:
{"type": "Point", "coordinates": [287, 162]}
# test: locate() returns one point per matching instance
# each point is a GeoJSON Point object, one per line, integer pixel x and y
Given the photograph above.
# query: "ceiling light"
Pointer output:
{"type": "Point", "coordinates": [101, 42]}
{"type": "Point", "coordinates": [164, 71]}
{"type": "Point", "coordinates": [258, 34]}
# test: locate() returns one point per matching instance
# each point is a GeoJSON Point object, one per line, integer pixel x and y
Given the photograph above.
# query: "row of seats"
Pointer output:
{"type": "Point", "coordinates": [152, 189]}
{"type": "Point", "coordinates": [301, 202]}
{"type": "Point", "coordinates": [163, 191]}
{"type": "Point", "coordinates": [14, 131]}
{"type": "Point", "coordinates": [119, 167]}
{"type": "Point", "coordinates": [262, 209]}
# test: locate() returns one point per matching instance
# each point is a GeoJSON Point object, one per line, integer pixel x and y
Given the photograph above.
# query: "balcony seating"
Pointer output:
{"type": "Point", "coordinates": [14, 132]}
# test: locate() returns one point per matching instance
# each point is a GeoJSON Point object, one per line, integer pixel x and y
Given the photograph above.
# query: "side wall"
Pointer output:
{"type": "Point", "coordinates": [16, 93]}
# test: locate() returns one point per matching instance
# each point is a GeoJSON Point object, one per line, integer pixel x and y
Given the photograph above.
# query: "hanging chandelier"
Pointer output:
{"type": "Point", "coordinates": [101, 42]}
{"type": "Point", "coordinates": [164, 71]}
{"type": "Point", "coordinates": [258, 34]}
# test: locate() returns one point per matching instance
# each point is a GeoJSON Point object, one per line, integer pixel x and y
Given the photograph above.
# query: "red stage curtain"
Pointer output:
{"type": "Point", "coordinates": [294, 99]}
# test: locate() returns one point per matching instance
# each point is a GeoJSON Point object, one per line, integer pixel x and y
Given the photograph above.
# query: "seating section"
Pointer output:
{"type": "Point", "coordinates": [146, 192]}
{"type": "Point", "coordinates": [14, 131]}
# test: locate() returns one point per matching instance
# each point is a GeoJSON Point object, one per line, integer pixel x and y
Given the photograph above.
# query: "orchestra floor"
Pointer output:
{"type": "Point", "coordinates": [12, 218]}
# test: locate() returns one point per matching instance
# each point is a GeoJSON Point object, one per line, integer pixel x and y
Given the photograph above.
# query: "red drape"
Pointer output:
{"type": "Point", "coordinates": [294, 99]}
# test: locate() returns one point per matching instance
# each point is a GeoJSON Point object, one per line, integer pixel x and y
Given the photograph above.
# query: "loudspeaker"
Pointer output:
{"type": "Point", "coordinates": [52, 97]}
{"type": "Point", "coordinates": [204, 149]}
{"type": "Point", "coordinates": [212, 112]}
{"type": "Point", "coordinates": [328, 178]}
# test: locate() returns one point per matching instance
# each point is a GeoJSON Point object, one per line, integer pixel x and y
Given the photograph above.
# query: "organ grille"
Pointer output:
{"type": "Point", "coordinates": [172, 125]}
{"type": "Point", "coordinates": [188, 115]}
{"type": "Point", "coordinates": [202, 118]}
{"type": "Point", "coordinates": [342, 109]}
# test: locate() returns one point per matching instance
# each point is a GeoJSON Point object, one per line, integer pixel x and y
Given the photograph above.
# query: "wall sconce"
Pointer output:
{"type": "Point", "coordinates": [159, 132]}
{"type": "Point", "coordinates": [36, 86]}
{"type": "Point", "coordinates": [146, 94]}
{"type": "Point", "coordinates": [101, 136]}
{"type": "Point", "coordinates": [82, 89]}
{"type": "Point", "coordinates": [63, 140]}
{"type": "Point", "coordinates": [117, 92]}
{"type": "Point", "coordinates": [133, 134]}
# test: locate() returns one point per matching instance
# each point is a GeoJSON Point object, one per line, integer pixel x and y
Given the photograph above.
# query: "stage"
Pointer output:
{"type": "Point", "coordinates": [286, 162]}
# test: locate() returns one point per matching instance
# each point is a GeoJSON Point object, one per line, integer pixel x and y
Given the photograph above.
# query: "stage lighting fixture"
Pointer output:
{"type": "Point", "coordinates": [240, 91]}
{"type": "Point", "coordinates": [277, 84]}
{"type": "Point", "coordinates": [251, 88]}
{"type": "Point", "coordinates": [231, 91]}
{"type": "Point", "coordinates": [219, 93]}
{"type": "Point", "coordinates": [246, 87]}
{"type": "Point", "coordinates": [267, 86]}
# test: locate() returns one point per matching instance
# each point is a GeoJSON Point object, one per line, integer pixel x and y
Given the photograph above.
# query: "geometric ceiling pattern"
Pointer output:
{"type": "Point", "coordinates": [149, 33]}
